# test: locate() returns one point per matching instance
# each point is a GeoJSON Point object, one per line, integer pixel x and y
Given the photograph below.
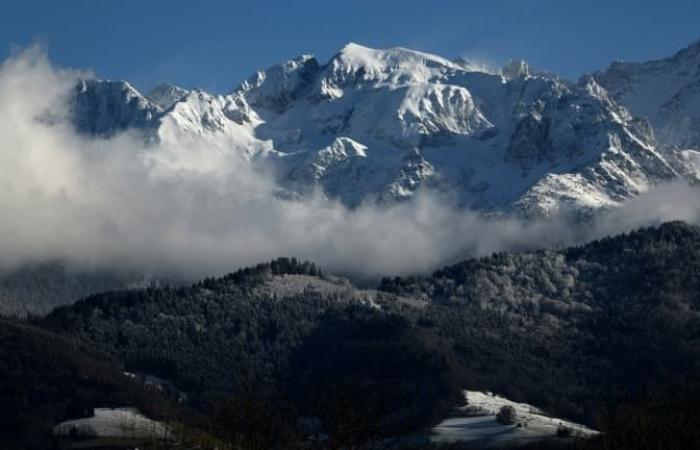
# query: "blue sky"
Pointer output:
{"type": "Point", "coordinates": [216, 44]}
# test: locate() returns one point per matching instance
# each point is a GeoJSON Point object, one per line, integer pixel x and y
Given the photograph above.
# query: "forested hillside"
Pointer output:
{"type": "Point", "coordinates": [654, 268]}
{"type": "Point", "coordinates": [46, 378]}
{"type": "Point", "coordinates": [566, 330]}
{"type": "Point", "coordinates": [297, 333]}
{"type": "Point", "coordinates": [627, 304]}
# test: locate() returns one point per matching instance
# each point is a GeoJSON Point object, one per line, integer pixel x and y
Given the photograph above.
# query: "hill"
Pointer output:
{"type": "Point", "coordinates": [565, 330]}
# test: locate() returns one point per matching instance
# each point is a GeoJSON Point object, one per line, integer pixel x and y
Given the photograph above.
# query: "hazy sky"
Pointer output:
{"type": "Point", "coordinates": [216, 44]}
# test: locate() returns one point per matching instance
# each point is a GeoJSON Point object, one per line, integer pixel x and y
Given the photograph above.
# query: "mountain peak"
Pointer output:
{"type": "Point", "coordinates": [395, 66]}
{"type": "Point", "coordinates": [691, 51]}
{"type": "Point", "coordinates": [353, 46]}
{"type": "Point", "coordinates": [277, 86]}
{"type": "Point", "coordinates": [114, 86]}
{"type": "Point", "coordinates": [665, 91]}
{"type": "Point", "coordinates": [470, 65]}
{"type": "Point", "coordinates": [516, 68]}
{"type": "Point", "coordinates": [356, 53]}
{"type": "Point", "coordinates": [165, 95]}
{"type": "Point", "coordinates": [103, 107]}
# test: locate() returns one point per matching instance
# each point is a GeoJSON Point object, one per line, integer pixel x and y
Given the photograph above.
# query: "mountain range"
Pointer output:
{"type": "Point", "coordinates": [380, 125]}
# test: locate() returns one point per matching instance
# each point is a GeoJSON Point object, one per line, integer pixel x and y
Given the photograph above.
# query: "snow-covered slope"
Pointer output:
{"type": "Point", "coordinates": [476, 423]}
{"type": "Point", "coordinates": [166, 95]}
{"type": "Point", "coordinates": [113, 423]}
{"type": "Point", "coordinates": [665, 91]}
{"type": "Point", "coordinates": [379, 125]}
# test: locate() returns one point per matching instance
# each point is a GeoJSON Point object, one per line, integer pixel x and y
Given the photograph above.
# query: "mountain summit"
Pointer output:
{"type": "Point", "coordinates": [380, 125]}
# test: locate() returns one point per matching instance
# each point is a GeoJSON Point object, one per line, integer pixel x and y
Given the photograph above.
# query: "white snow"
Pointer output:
{"type": "Point", "coordinates": [113, 422]}
{"type": "Point", "coordinates": [478, 424]}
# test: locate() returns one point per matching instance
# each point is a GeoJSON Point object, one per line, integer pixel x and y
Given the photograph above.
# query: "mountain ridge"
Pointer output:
{"type": "Point", "coordinates": [502, 140]}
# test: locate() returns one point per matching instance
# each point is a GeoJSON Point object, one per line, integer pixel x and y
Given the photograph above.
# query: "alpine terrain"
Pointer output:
{"type": "Point", "coordinates": [378, 125]}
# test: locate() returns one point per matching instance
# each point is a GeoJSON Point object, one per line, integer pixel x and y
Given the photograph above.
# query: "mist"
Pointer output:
{"type": "Point", "coordinates": [121, 204]}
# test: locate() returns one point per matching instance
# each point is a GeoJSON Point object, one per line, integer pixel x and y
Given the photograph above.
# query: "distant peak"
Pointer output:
{"type": "Point", "coordinates": [471, 65]}
{"type": "Point", "coordinates": [300, 60]}
{"type": "Point", "coordinates": [352, 50]}
{"type": "Point", "coordinates": [166, 87]}
{"type": "Point", "coordinates": [165, 95]}
{"type": "Point", "coordinates": [293, 64]}
{"type": "Point", "coordinates": [354, 46]}
{"type": "Point", "coordinates": [356, 55]}
{"type": "Point", "coordinates": [277, 86]}
{"type": "Point", "coordinates": [109, 87]}
{"type": "Point", "coordinates": [515, 68]}
{"type": "Point", "coordinates": [690, 51]}
{"type": "Point", "coordinates": [112, 84]}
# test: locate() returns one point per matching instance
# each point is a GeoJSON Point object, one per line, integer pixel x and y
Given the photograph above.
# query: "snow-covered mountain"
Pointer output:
{"type": "Point", "coordinates": [378, 125]}
{"type": "Point", "coordinates": [667, 93]}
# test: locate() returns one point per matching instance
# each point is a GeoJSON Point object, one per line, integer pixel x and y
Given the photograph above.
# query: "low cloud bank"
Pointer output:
{"type": "Point", "coordinates": [118, 203]}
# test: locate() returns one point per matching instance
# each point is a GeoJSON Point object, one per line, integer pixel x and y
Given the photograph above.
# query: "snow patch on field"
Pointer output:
{"type": "Point", "coordinates": [477, 423]}
{"type": "Point", "coordinates": [113, 423]}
